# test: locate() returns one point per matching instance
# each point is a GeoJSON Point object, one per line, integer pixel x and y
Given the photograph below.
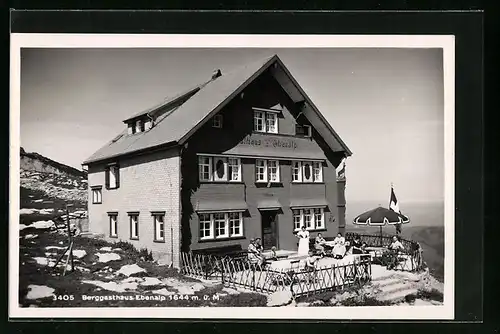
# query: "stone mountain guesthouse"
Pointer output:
{"type": "Point", "coordinates": [243, 155]}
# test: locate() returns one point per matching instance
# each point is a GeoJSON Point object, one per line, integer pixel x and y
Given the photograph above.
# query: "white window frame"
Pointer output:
{"type": "Point", "coordinates": [314, 213]}
{"type": "Point", "coordinates": [228, 220]}
{"type": "Point", "coordinates": [201, 165]}
{"type": "Point", "coordinates": [134, 226]}
{"type": "Point", "coordinates": [317, 166]}
{"type": "Point", "coordinates": [96, 195]}
{"type": "Point", "coordinates": [232, 223]}
{"type": "Point", "coordinates": [319, 212]}
{"type": "Point", "coordinates": [270, 127]}
{"type": "Point", "coordinates": [113, 173]}
{"type": "Point", "coordinates": [297, 213]}
{"type": "Point", "coordinates": [223, 220]}
{"type": "Point", "coordinates": [113, 225]}
{"type": "Point", "coordinates": [259, 117]}
{"type": "Point", "coordinates": [260, 164]}
{"type": "Point", "coordinates": [234, 169]}
{"type": "Point", "coordinates": [217, 121]}
{"type": "Point", "coordinates": [299, 171]}
{"type": "Point", "coordinates": [269, 171]}
{"type": "Point", "coordinates": [157, 225]}
{"type": "Point", "coordinates": [310, 215]}
{"type": "Point", "coordinates": [314, 166]}
{"type": "Point", "coordinates": [210, 230]}
{"type": "Point", "coordinates": [305, 165]}
{"type": "Point", "coordinates": [215, 177]}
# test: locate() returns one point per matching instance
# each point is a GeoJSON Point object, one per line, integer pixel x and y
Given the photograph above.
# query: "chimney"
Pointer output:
{"type": "Point", "coordinates": [217, 73]}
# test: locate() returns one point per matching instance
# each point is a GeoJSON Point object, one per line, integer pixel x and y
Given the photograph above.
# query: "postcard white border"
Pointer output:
{"type": "Point", "coordinates": [446, 42]}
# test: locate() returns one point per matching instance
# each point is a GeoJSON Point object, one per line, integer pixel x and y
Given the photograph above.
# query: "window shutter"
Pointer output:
{"type": "Point", "coordinates": [106, 176]}
{"type": "Point", "coordinates": [117, 169]}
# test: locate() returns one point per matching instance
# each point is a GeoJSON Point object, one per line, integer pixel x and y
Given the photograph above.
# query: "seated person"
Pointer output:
{"type": "Point", "coordinates": [254, 252]}
{"type": "Point", "coordinates": [357, 245]}
{"type": "Point", "coordinates": [319, 242]}
{"type": "Point", "coordinates": [310, 261]}
{"type": "Point", "coordinates": [339, 248]}
{"type": "Point", "coordinates": [394, 248]}
{"type": "Point", "coordinates": [396, 245]}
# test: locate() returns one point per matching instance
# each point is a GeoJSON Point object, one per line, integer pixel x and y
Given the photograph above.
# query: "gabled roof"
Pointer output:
{"type": "Point", "coordinates": [205, 100]}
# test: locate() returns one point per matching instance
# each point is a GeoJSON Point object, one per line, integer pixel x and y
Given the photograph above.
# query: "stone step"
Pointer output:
{"type": "Point", "coordinates": [395, 287]}
{"type": "Point", "coordinates": [387, 281]}
{"type": "Point", "coordinates": [397, 296]}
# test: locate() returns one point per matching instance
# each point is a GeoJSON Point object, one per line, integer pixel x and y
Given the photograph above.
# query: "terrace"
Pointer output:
{"type": "Point", "coordinates": [285, 270]}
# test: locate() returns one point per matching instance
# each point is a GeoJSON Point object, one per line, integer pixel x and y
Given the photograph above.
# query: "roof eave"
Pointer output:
{"type": "Point", "coordinates": [151, 149]}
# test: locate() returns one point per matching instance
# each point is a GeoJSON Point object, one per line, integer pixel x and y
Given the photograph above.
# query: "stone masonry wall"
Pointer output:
{"type": "Point", "coordinates": [147, 183]}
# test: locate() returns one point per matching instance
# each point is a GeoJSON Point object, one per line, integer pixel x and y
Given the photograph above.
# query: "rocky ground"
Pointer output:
{"type": "Point", "coordinates": [106, 275]}
{"type": "Point", "coordinates": [64, 187]}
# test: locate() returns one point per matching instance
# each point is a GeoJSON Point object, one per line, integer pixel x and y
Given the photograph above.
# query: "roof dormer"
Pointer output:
{"type": "Point", "coordinates": [139, 125]}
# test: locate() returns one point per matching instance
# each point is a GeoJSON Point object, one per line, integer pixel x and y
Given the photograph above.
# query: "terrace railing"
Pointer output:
{"type": "Point", "coordinates": [239, 272]}
{"type": "Point", "coordinates": [409, 259]}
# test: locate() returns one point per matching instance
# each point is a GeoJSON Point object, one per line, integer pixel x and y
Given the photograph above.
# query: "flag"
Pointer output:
{"type": "Point", "coordinates": [393, 203]}
{"type": "Point", "coordinates": [341, 172]}
{"type": "Point", "coordinates": [394, 206]}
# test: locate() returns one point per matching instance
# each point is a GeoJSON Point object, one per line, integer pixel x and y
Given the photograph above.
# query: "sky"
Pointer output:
{"type": "Point", "coordinates": [386, 104]}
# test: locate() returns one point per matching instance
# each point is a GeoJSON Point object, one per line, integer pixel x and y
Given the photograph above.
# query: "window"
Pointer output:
{"type": "Point", "coordinates": [273, 171]}
{"type": "Point", "coordinates": [217, 121]}
{"type": "Point", "coordinates": [267, 171]}
{"type": "Point", "coordinates": [317, 172]}
{"type": "Point", "coordinates": [220, 225]}
{"type": "Point", "coordinates": [159, 227]}
{"type": "Point", "coordinates": [297, 219]}
{"type": "Point", "coordinates": [205, 226]}
{"type": "Point", "coordinates": [258, 121]}
{"type": "Point", "coordinates": [311, 218]}
{"type": "Point", "coordinates": [235, 224]}
{"type": "Point", "coordinates": [319, 219]}
{"type": "Point", "coordinates": [271, 122]}
{"type": "Point", "coordinates": [265, 121]}
{"type": "Point", "coordinates": [308, 219]}
{"type": "Point", "coordinates": [112, 177]}
{"type": "Point", "coordinates": [96, 195]}
{"type": "Point", "coordinates": [219, 169]}
{"type": "Point", "coordinates": [113, 224]}
{"type": "Point", "coordinates": [296, 171]}
{"type": "Point", "coordinates": [234, 169]}
{"type": "Point", "coordinates": [303, 130]}
{"type": "Point", "coordinates": [205, 168]}
{"type": "Point", "coordinates": [221, 229]}
{"type": "Point", "coordinates": [139, 126]}
{"type": "Point", "coordinates": [306, 171]}
{"type": "Point", "coordinates": [134, 225]}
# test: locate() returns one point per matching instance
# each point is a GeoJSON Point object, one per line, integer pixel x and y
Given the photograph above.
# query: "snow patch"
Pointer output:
{"type": "Point", "coordinates": [185, 288]}
{"type": "Point", "coordinates": [54, 247]}
{"type": "Point", "coordinates": [150, 281]}
{"type": "Point", "coordinates": [130, 269]}
{"type": "Point", "coordinates": [105, 249]}
{"type": "Point", "coordinates": [113, 286]}
{"type": "Point", "coordinates": [107, 257]}
{"type": "Point", "coordinates": [39, 291]}
{"type": "Point", "coordinates": [31, 236]}
{"type": "Point", "coordinates": [22, 227]}
{"type": "Point", "coordinates": [79, 253]}
{"type": "Point", "coordinates": [43, 224]}
{"type": "Point", "coordinates": [164, 292]}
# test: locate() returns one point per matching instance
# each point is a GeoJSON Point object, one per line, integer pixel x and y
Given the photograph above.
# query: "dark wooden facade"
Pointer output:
{"type": "Point", "coordinates": [236, 138]}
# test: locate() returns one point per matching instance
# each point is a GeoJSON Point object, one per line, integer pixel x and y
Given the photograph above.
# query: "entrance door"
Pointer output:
{"type": "Point", "coordinates": [269, 229]}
